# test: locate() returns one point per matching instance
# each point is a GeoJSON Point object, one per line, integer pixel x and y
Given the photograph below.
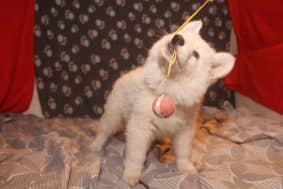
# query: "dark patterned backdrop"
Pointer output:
{"type": "Point", "coordinates": [82, 47]}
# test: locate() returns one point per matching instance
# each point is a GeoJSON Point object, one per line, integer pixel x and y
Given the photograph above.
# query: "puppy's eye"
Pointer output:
{"type": "Point", "coordinates": [196, 54]}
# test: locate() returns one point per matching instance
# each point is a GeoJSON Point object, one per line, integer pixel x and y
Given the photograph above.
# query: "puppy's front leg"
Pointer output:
{"type": "Point", "coordinates": [183, 144]}
{"type": "Point", "coordinates": [139, 139]}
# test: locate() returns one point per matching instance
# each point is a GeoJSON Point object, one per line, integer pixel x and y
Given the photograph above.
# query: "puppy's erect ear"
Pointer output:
{"type": "Point", "coordinates": [192, 27]}
{"type": "Point", "coordinates": [222, 64]}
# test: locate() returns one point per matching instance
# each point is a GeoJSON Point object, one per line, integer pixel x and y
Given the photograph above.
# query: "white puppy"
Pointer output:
{"type": "Point", "coordinates": [131, 98]}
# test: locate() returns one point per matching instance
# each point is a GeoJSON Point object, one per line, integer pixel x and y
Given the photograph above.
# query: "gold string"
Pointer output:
{"type": "Point", "coordinates": [173, 57]}
{"type": "Point", "coordinates": [172, 60]}
{"type": "Point", "coordinates": [193, 15]}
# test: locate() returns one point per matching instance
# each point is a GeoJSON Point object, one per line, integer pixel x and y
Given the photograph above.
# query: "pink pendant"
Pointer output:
{"type": "Point", "coordinates": [163, 106]}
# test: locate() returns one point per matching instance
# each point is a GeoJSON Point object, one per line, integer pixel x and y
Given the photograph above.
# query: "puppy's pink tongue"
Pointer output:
{"type": "Point", "coordinates": [163, 106]}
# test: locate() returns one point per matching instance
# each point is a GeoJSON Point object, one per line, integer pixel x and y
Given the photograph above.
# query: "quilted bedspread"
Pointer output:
{"type": "Point", "coordinates": [232, 149]}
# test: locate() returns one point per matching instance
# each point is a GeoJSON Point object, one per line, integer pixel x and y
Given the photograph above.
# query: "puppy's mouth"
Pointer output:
{"type": "Point", "coordinates": [170, 49]}
{"type": "Point", "coordinates": [169, 52]}
{"type": "Point", "coordinates": [166, 52]}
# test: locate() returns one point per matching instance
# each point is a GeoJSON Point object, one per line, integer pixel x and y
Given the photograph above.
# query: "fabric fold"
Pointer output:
{"type": "Point", "coordinates": [259, 64]}
{"type": "Point", "coordinates": [16, 55]}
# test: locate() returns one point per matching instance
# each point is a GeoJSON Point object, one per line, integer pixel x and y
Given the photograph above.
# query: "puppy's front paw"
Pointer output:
{"type": "Point", "coordinates": [97, 145]}
{"type": "Point", "coordinates": [189, 167]}
{"type": "Point", "coordinates": [131, 178]}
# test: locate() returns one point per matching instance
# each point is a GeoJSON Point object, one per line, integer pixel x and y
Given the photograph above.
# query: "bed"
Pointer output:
{"type": "Point", "coordinates": [232, 149]}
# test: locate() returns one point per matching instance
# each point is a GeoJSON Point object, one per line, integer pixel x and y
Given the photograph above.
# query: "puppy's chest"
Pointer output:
{"type": "Point", "coordinates": [169, 126]}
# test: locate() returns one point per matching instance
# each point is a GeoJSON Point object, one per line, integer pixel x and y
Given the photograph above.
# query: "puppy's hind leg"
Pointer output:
{"type": "Point", "coordinates": [109, 124]}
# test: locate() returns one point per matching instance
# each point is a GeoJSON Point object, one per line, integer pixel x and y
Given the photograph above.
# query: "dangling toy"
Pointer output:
{"type": "Point", "coordinates": [164, 106]}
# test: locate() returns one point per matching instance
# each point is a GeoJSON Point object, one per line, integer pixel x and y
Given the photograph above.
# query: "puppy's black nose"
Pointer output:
{"type": "Point", "coordinates": [178, 40]}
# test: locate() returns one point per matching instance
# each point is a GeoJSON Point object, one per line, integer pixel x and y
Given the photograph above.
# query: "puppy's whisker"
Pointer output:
{"type": "Point", "coordinates": [163, 31]}
{"type": "Point", "coordinates": [157, 35]}
{"type": "Point", "coordinates": [170, 25]}
{"type": "Point", "coordinates": [145, 48]}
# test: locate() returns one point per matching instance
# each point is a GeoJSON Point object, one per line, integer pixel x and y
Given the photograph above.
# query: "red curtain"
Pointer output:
{"type": "Point", "coordinates": [258, 72]}
{"type": "Point", "coordinates": [16, 55]}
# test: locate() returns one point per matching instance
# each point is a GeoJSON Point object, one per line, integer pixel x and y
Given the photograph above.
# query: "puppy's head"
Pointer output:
{"type": "Point", "coordinates": [195, 58]}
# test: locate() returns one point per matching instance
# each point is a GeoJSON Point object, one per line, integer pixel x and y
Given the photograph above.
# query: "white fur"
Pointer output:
{"type": "Point", "coordinates": [132, 96]}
